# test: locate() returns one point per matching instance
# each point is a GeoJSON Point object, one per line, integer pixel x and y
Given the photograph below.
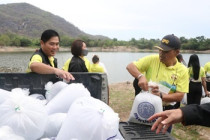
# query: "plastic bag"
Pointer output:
{"type": "Point", "coordinates": [61, 102]}
{"type": "Point", "coordinates": [145, 105]}
{"type": "Point", "coordinates": [53, 89]}
{"type": "Point", "coordinates": [6, 133]}
{"type": "Point", "coordinates": [54, 124]}
{"type": "Point", "coordinates": [205, 100]}
{"type": "Point", "coordinates": [161, 87]}
{"type": "Point", "coordinates": [24, 91]}
{"type": "Point", "coordinates": [4, 94]}
{"type": "Point", "coordinates": [25, 115]}
{"type": "Point", "coordinates": [39, 97]}
{"type": "Point", "coordinates": [184, 99]}
{"type": "Point", "coordinates": [89, 119]}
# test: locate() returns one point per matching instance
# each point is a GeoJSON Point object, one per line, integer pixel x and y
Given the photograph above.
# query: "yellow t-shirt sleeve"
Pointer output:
{"type": "Point", "coordinates": [87, 64]}
{"type": "Point", "coordinates": [202, 72]}
{"type": "Point", "coordinates": [207, 67]}
{"type": "Point", "coordinates": [66, 65]}
{"type": "Point", "coordinates": [35, 58]}
{"type": "Point", "coordinates": [143, 64]}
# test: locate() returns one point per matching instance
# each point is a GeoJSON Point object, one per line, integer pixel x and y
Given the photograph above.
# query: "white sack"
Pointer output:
{"type": "Point", "coordinates": [205, 100]}
{"type": "Point", "coordinates": [24, 91]}
{"type": "Point", "coordinates": [54, 124]}
{"type": "Point", "coordinates": [4, 94]}
{"type": "Point", "coordinates": [39, 97]}
{"type": "Point", "coordinates": [53, 89]}
{"type": "Point", "coordinates": [61, 102]}
{"type": "Point", "coordinates": [25, 115]}
{"type": "Point", "coordinates": [145, 105]}
{"type": "Point", "coordinates": [184, 99]}
{"type": "Point", "coordinates": [53, 138]}
{"type": "Point", "coordinates": [6, 133]}
{"type": "Point", "coordinates": [89, 119]}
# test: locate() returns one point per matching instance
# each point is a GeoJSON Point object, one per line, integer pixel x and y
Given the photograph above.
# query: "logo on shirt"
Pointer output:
{"type": "Point", "coordinates": [174, 77]}
{"type": "Point", "coordinates": [146, 109]}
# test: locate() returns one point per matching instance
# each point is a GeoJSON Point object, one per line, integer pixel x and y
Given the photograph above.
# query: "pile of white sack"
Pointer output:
{"type": "Point", "coordinates": [68, 113]}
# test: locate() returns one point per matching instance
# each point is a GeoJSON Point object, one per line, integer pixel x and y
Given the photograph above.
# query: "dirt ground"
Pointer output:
{"type": "Point", "coordinates": [121, 100]}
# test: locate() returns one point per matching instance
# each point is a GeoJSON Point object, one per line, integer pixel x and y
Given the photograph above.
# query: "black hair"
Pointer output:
{"type": "Point", "coordinates": [95, 59]}
{"type": "Point", "coordinates": [195, 64]}
{"type": "Point", "coordinates": [179, 57]}
{"type": "Point", "coordinates": [47, 34]}
{"type": "Point", "coordinates": [76, 47]}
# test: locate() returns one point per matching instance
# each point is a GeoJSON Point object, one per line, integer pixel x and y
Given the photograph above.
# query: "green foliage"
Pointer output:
{"type": "Point", "coordinates": [66, 41]}
{"type": "Point", "coordinates": [4, 40]}
{"type": "Point", "coordinates": [198, 43]}
{"type": "Point", "coordinates": [24, 42]}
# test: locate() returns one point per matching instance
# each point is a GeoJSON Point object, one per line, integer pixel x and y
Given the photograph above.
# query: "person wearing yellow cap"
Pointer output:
{"type": "Point", "coordinates": [164, 69]}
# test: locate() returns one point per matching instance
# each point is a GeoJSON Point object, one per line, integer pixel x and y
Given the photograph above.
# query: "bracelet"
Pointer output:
{"type": "Point", "coordinates": [161, 95]}
{"type": "Point", "coordinates": [140, 75]}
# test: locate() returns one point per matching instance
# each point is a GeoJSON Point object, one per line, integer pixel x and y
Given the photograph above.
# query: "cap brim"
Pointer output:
{"type": "Point", "coordinates": [163, 47]}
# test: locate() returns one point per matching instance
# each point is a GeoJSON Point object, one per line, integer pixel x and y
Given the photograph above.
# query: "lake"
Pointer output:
{"type": "Point", "coordinates": [115, 62]}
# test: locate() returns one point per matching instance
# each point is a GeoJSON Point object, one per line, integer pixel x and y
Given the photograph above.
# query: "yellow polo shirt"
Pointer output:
{"type": "Point", "coordinates": [38, 58]}
{"type": "Point", "coordinates": [66, 64]}
{"type": "Point", "coordinates": [201, 74]}
{"type": "Point", "coordinates": [207, 67]}
{"type": "Point", "coordinates": [96, 68]}
{"type": "Point", "coordinates": [174, 77]}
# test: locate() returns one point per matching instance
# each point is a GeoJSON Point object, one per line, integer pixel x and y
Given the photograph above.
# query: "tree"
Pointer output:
{"type": "Point", "coordinates": [24, 42]}
{"type": "Point", "coordinates": [133, 42]}
{"type": "Point", "coordinates": [4, 40]}
{"type": "Point", "coordinates": [66, 41]}
{"type": "Point", "coordinates": [15, 42]}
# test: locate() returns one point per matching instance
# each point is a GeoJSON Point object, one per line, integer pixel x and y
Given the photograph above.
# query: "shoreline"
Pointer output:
{"type": "Point", "coordinates": [94, 49]}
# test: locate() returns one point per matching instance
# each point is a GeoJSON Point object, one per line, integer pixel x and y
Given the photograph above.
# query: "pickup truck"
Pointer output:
{"type": "Point", "coordinates": [96, 83]}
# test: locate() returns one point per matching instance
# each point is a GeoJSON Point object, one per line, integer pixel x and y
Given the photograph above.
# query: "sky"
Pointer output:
{"type": "Point", "coordinates": [127, 19]}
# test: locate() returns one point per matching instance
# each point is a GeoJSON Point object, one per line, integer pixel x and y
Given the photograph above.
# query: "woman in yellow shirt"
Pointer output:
{"type": "Point", "coordinates": [197, 80]}
{"type": "Point", "coordinates": [78, 63]}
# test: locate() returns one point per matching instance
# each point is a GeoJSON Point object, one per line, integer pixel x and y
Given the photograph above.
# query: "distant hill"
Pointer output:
{"type": "Point", "coordinates": [27, 20]}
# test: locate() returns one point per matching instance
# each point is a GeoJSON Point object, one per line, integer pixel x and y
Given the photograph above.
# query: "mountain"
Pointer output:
{"type": "Point", "coordinates": [28, 20]}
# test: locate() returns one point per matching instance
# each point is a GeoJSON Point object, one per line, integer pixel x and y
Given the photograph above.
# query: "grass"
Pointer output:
{"type": "Point", "coordinates": [121, 100]}
{"type": "Point", "coordinates": [185, 133]}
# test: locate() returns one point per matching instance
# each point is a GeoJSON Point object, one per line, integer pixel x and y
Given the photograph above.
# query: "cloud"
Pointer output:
{"type": "Point", "coordinates": [124, 19]}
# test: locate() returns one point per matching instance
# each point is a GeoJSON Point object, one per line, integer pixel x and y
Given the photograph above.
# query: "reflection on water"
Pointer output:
{"type": "Point", "coordinates": [115, 62]}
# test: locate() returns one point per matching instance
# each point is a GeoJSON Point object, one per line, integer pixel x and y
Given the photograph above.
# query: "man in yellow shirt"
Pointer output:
{"type": "Point", "coordinates": [165, 70]}
{"type": "Point", "coordinates": [43, 61]}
